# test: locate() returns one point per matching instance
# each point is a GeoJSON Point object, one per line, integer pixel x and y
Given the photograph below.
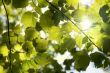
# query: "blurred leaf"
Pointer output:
{"type": "Point", "coordinates": [68, 43]}
{"type": "Point", "coordinates": [41, 45]}
{"type": "Point", "coordinates": [16, 67]}
{"type": "Point", "coordinates": [4, 50]}
{"type": "Point", "coordinates": [7, 1]}
{"type": "Point", "coordinates": [69, 27]}
{"type": "Point", "coordinates": [55, 2]}
{"type": "Point", "coordinates": [42, 59]}
{"type": "Point", "coordinates": [55, 33]}
{"type": "Point", "coordinates": [57, 16]}
{"type": "Point", "coordinates": [1, 69]}
{"type": "Point", "coordinates": [42, 3]}
{"type": "Point", "coordinates": [25, 65]}
{"type": "Point", "coordinates": [79, 40]}
{"type": "Point", "coordinates": [106, 44]}
{"type": "Point", "coordinates": [29, 49]}
{"type": "Point", "coordinates": [82, 60]}
{"type": "Point", "coordinates": [13, 40]}
{"type": "Point", "coordinates": [18, 47]}
{"type": "Point", "coordinates": [78, 15]}
{"type": "Point", "coordinates": [73, 3]}
{"type": "Point", "coordinates": [19, 3]}
{"type": "Point", "coordinates": [29, 19]}
{"type": "Point", "coordinates": [97, 58]}
{"type": "Point", "coordinates": [17, 29]}
{"type": "Point", "coordinates": [31, 33]}
{"type": "Point", "coordinates": [20, 39]}
{"type": "Point", "coordinates": [105, 13]}
{"type": "Point", "coordinates": [46, 20]}
{"type": "Point", "coordinates": [68, 63]}
{"type": "Point", "coordinates": [88, 47]}
{"type": "Point", "coordinates": [57, 67]}
{"type": "Point", "coordinates": [106, 63]}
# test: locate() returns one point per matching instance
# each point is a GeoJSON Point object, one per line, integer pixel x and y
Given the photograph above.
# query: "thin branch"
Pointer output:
{"type": "Point", "coordinates": [74, 24]}
{"type": "Point", "coordinates": [8, 24]}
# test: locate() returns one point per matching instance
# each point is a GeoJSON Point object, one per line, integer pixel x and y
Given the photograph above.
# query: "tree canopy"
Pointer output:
{"type": "Point", "coordinates": [33, 31]}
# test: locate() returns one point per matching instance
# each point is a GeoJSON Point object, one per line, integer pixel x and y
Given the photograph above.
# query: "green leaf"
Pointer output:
{"type": "Point", "coordinates": [55, 33]}
{"type": "Point", "coordinates": [29, 64]}
{"type": "Point", "coordinates": [57, 16]}
{"type": "Point", "coordinates": [20, 39]}
{"type": "Point", "coordinates": [73, 3]}
{"type": "Point", "coordinates": [18, 47]}
{"type": "Point", "coordinates": [0, 3]}
{"type": "Point", "coordinates": [25, 65]}
{"type": "Point", "coordinates": [57, 67]}
{"type": "Point", "coordinates": [106, 63]}
{"type": "Point", "coordinates": [1, 26]}
{"type": "Point", "coordinates": [41, 45]}
{"type": "Point", "coordinates": [61, 2]}
{"type": "Point", "coordinates": [105, 28]}
{"type": "Point", "coordinates": [1, 69]}
{"type": "Point", "coordinates": [78, 15]}
{"type": "Point", "coordinates": [42, 59]}
{"type": "Point", "coordinates": [68, 43]}
{"type": "Point", "coordinates": [106, 44]}
{"type": "Point", "coordinates": [17, 29]}
{"type": "Point", "coordinates": [19, 3]}
{"type": "Point", "coordinates": [38, 27]}
{"type": "Point", "coordinates": [13, 40]}
{"type": "Point", "coordinates": [97, 58]}
{"type": "Point", "coordinates": [29, 48]}
{"type": "Point", "coordinates": [16, 67]}
{"type": "Point", "coordinates": [104, 13]}
{"type": "Point", "coordinates": [1, 30]}
{"type": "Point", "coordinates": [69, 27]}
{"type": "Point", "coordinates": [4, 50]}
{"type": "Point", "coordinates": [38, 10]}
{"type": "Point", "coordinates": [68, 63]}
{"type": "Point", "coordinates": [29, 19]}
{"type": "Point", "coordinates": [55, 2]}
{"type": "Point", "coordinates": [42, 3]}
{"type": "Point", "coordinates": [79, 40]}
{"type": "Point", "coordinates": [48, 69]}
{"type": "Point", "coordinates": [82, 60]}
{"type": "Point", "coordinates": [31, 33]}
{"type": "Point", "coordinates": [7, 1]}
{"type": "Point", "coordinates": [46, 20]}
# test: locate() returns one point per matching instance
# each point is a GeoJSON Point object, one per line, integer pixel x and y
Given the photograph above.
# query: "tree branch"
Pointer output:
{"type": "Point", "coordinates": [8, 24]}
{"type": "Point", "coordinates": [74, 24]}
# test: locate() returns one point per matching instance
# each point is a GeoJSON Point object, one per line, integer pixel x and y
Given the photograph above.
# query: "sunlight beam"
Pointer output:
{"type": "Point", "coordinates": [86, 2]}
{"type": "Point", "coordinates": [85, 24]}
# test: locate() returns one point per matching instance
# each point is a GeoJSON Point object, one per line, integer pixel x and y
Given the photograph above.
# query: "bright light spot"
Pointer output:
{"type": "Point", "coordinates": [86, 2]}
{"type": "Point", "coordinates": [29, 8]}
{"type": "Point", "coordinates": [85, 24]}
{"type": "Point", "coordinates": [43, 34]}
{"type": "Point", "coordinates": [60, 58]}
{"type": "Point", "coordinates": [73, 34]}
{"type": "Point", "coordinates": [44, 9]}
{"type": "Point", "coordinates": [54, 42]}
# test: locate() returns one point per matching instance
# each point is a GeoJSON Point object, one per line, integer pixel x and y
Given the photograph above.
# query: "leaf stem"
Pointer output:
{"type": "Point", "coordinates": [74, 24]}
{"type": "Point", "coordinates": [8, 24]}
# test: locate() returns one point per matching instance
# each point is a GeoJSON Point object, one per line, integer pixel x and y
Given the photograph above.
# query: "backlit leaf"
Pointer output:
{"type": "Point", "coordinates": [55, 33]}
{"type": "Point", "coordinates": [4, 50]}
{"type": "Point", "coordinates": [29, 19]}
{"type": "Point", "coordinates": [31, 33]}
{"type": "Point", "coordinates": [42, 3]}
